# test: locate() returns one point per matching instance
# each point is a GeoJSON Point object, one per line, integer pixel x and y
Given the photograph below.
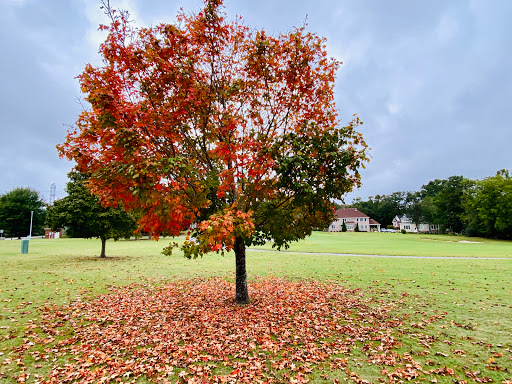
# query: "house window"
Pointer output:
{"type": "Point", "coordinates": [333, 226]}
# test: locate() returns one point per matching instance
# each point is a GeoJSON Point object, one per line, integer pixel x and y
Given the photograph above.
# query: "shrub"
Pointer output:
{"type": "Point", "coordinates": [403, 231]}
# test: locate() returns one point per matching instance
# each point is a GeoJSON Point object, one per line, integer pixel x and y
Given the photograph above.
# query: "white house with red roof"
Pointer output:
{"type": "Point", "coordinates": [352, 217]}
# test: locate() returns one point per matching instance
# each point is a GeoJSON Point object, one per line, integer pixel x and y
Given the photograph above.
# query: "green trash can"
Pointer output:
{"type": "Point", "coordinates": [24, 246]}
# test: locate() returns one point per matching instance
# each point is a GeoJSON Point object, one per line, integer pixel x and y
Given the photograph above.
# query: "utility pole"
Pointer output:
{"type": "Point", "coordinates": [31, 217]}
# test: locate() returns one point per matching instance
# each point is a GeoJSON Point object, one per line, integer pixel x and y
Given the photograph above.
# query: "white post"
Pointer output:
{"type": "Point", "coordinates": [31, 216]}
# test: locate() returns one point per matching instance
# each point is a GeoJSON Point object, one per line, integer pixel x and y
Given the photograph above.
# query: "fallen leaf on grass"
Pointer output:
{"type": "Point", "coordinates": [445, 371]}
{"type": "Point", "coordinates": [195, 327]}
{"type": "Point", "coordinates": [475, 375]}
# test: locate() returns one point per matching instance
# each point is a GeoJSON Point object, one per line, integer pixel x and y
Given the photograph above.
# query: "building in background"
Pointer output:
{"type": "Point", "coordinates": [402, 222]}
{"type": "Point", "coordinates": [353, 218]}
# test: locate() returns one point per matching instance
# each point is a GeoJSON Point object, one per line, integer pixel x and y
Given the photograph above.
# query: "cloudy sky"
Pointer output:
{"type": "Point", "coordinates": [432, 80]}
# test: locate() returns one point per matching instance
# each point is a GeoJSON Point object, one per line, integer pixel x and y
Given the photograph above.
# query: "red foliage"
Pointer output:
{"type": "Point", "coordinates": [193, 119]}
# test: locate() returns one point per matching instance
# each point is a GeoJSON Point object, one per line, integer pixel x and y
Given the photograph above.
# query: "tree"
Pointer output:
{"type": "Point", "coordinates": [207, 123]}
{"type": "Point", "coordinates": [488, 206]}
{"type": "Point", "coordinates": [429, 211]}
{"type": "Point", "coordinates": [15, 216]}
{"type": "Point", "coordinates": [382, 208]}
{"type": "Point", "coordinates": [369, 207]}
{"type": "Point", "coordinates": [446, 198]}
{"type": "Point", "coordinates": [82, 215]}
{"type": "Point", "coordinates": [343, 227]}
{"type": "Point", "coordinates": [337, 205]}
{"type": "Point", "coordinates": [414, 208]}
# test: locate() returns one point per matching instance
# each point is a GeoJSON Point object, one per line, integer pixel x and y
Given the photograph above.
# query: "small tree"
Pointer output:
{"type": "Point", "coordinates": [83, 216]}
{"type": "Point", "coordinates": [344, 227]}
{"type": "Point", "coordinates": [207, 123]}
{"type": "Point", "coordinates": [356, 228]}
{"type": "Point", "coordinates": [15, 216]}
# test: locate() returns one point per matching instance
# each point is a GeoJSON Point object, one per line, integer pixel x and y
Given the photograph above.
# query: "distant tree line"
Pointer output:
{"type": "Point", "coordinates": [79, 213]}
{"type": "Point", "coordinates": [457, 204]}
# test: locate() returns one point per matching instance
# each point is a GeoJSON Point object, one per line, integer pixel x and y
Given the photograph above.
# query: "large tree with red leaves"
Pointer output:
{"type": "Point", "coordinates": [208, 125]}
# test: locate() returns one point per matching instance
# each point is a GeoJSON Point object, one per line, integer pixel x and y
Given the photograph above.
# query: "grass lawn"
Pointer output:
{"type": "Point", "coordinates": [455, 314]}
{"type": "Point", "coordinates": [399, 244]}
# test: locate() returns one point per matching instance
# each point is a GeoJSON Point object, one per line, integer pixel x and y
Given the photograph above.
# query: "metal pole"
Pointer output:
{"type": "Point", "coordinates": [31, 216]}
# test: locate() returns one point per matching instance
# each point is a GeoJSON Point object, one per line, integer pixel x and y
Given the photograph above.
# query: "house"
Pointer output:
{"type": "Point", "coordinates": [49, 234]}
{"type": "Point", "coordinates": [374, 225]}
{"type": "Point", "coordinates": [403, 222]}
{"type": "Point", "coordinates": [352, 217]}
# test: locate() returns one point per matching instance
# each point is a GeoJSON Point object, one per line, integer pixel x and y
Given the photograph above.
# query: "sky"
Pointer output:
{"type": "Point", "coordinates": [432, 80]}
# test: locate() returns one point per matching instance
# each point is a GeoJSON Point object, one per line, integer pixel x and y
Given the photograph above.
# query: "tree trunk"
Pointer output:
{"type": "Point", "coordinates": [242, 294]}
{"type": "Point", "coordinates": [103, 243]}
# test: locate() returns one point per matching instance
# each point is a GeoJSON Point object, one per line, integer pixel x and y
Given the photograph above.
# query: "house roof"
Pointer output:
{"type": "Point", "coordinates": [373, 222]}
{"type": "Point", "coordinates": [401, 219]}
{"type": "Point", "coordinates": [345, 213]}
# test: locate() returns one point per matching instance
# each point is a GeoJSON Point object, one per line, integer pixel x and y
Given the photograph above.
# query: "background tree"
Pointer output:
{"type": "Point", "coordinates": [338, 205]}
{"type": "Point", "coordinates": [488, 207]}
{"type": "Point", "coordinates": [414, 208]}
{"type": "Point", "coordinates": [209, 123]}
{"type": "Point", "coordinates": [15, 207]}
{"type": "Point", "coordinates": [82, 215]}
{"type": "Point", "coordinates": [382, 208]}
{"type": "Point", "coordinates": [369, 207]}
{"type": "Point", "coordinates": [446, 201]}
{"type": "Point", "coordinates": [429, 211]}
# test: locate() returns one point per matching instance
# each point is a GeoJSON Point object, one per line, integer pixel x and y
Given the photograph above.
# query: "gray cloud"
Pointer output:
{"type": "Point", "coordinates": [431, 80]}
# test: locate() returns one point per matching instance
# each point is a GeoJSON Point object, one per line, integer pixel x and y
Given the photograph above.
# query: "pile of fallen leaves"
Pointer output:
{"type": "Point", "coordinates": [192, 331]}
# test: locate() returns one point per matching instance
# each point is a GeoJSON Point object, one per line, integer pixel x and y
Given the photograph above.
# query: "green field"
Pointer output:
{"type": "Point", "coordinates": [474, 296]}
{"type": "Point", "coordinates": [399, 244]}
